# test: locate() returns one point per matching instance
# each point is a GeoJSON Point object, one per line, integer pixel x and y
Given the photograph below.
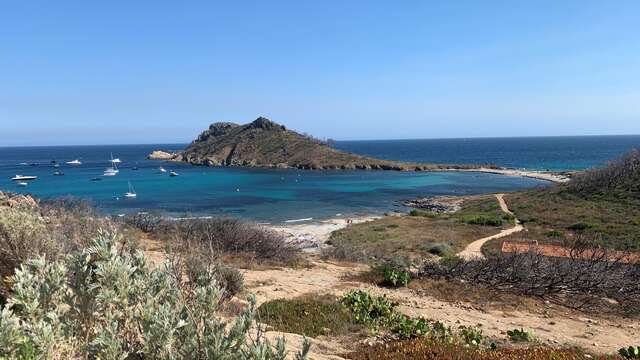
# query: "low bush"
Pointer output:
{"type": "Point", "coordinates": [423, 213]}
{"type": "Point", "coordinates": [471, 335]}
{"type": "Point", "coordinates": [221, 236]}
{"type": "Point", "coordinates": [368, 309]}
{"type": "Point", "coordinates": [483, 220]}
{"type": "Point", "coordinates": [395, 276]}
{"type": "Point", "coordinates": [579, 226]}
{"type": "Point", "coordinates": [631, 352]}
{"type": "Point", "coordinates": [439, 249]}
{"type": "Point", "coordinates": [521, 335]}
{"type": "Point", "coordinates": [554, 234]}
{"type": "Point", "coordinates": [308, 316]}
{"type": "Point", "coordinates": [106, 303]}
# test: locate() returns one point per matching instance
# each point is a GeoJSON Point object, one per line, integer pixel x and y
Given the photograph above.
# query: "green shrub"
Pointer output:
{"type": "Point", "coordinates": [483, 220]}
{"type": "Point", "coordinates": [395, 276]}
{"type": "Point", "coordinates": [409, 328]}
{"type": "Point", "coordinates": [521, 335]}
{"type": "Point", "coordinates": [632, 352]}
{"type": "Point", "coordinates": [423, 213]}
{"type": "Point", "coordinates": [105, 302]}
{"type": "Point", "coordinates": [439, 249]}
{"type": "Point", "coordinates": [366, 308]}
{"type": "Point", "coordinates": [472, 335]}
{"type": "Point", "coordinates": [307, 316]}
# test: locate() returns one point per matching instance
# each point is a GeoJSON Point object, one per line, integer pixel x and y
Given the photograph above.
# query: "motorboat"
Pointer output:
{"type": "Point", "coordinates": [162, 170]}
{"type": "Point", "coordinates": [23, 178]}
{"type": "Point", "coordinates": [74, 162]}
{"type": "Point", "coordinates": [58, 173]}
{"type": "Point", "coordinates": [173, 173]}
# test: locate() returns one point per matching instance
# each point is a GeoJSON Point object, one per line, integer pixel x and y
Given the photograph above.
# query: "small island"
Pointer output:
{"type": "Point", "coordinates": [267, 144]}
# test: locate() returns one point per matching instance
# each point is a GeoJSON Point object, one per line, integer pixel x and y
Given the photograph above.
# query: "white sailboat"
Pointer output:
{"type": "Point", "coordinates": [116, 160]}
{"type": "Point", "coordinates": [74, 162]}
{"type": "Point", "coordinates": [131, 193]}
{"type": "Point", "coordinates": [113, 170]}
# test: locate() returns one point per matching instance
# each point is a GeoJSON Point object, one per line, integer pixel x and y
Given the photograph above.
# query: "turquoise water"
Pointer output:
{"type": "Point", "coordinates": [257, 194]}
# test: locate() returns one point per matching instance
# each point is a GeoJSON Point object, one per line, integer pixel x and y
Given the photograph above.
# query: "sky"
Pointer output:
{"type": "Point", "coordinates": [156, 71]}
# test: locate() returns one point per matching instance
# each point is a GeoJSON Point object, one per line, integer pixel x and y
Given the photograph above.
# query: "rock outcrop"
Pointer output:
{"type": "Point", "coordinates": [163, 155]}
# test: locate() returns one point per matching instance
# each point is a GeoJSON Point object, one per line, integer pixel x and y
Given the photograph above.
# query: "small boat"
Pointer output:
{"type": "Point", "coordinates": [56, 166]}
{"type": "Point", "coordinates": [23, 178]}
{"type": "Point", "coordinates": [96, 179]}
{"type": "Point", "coordinates": [110, 172]}
{"type": "Point", "coordinates": [21, 184]}
{"type": "Point", "coordinates": [24, 164]}
{"type": "Point", "coordinates": [58, 173]}
{"type": "Point", "coordinates": [173, 173]}
{"type": "Point", "coordinates": [74, 162]}
{"type": "Point", "coordinates": [162, 170]}
{"type": "Point", "coordinates": [131, 193]}
{"type": "Point", "coordinates": [116, 160]}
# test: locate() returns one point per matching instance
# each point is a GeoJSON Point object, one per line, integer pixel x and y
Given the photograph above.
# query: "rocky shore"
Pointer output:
{"type": "Point", "coordinates": [438, 204]}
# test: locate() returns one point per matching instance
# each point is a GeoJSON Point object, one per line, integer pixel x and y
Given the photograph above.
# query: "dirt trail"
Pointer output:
{"type": "Point", "coordinates": [474, 249]}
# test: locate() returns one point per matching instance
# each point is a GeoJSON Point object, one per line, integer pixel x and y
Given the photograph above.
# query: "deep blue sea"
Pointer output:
{"type": "Point", "coordinates": [276, 196]}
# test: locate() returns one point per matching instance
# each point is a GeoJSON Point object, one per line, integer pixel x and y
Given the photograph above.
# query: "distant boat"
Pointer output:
{"type": "Point", "coordinates": [74, 162]}
{"type": "Point", "coordinates": [24, 164]}
{"type": "Point", "coordinates": [113, 170]}
{"type": "Point", "coordinates": [173, 173]}
{"type": "Point", "coordinates": [131, 193]}
{"type": "Point", "coordinates": [162, 170]}
{"type": "Point", "coordinates": [58, 173]}
{"type": "Point", "coordinates": [22, 184]}
{"type": "Point", "coordinates": [56, 166]}
{"type": "Point", "coordinates": [116, 160]}
{"type": "Point", "coordinates": [23, 178]}
{"type": "Point", "coordinates": [96, 179]}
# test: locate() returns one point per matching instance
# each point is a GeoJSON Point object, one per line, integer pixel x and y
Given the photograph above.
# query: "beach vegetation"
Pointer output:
{"type": "Point", "coordinates": [105, 302]}
{"type": "Point", "coordinates": [631, 352]}
{"type": "Point", "coordinates": [521, 335]}
{"type": "Point", "coordinates": [309, 316]}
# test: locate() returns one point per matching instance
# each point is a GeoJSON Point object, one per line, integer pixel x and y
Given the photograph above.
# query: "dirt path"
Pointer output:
{"type": "Point", "coordinates": [474, 250]}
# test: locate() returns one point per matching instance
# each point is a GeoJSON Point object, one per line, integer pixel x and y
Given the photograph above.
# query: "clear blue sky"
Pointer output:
{"type": "Point", "coordinates": [143, 71]}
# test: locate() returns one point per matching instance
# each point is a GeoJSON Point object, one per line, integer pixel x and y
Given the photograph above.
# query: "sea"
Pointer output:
{"type": "Point", "coordinates": [279, 196]}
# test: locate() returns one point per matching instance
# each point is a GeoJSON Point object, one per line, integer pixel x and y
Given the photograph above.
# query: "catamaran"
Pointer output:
{"type": "Point", "coordinates": [131, 193]}
{"type": "Point", "coordinates": [74, 162]}
{"type": "Point", "coordinates": [23, 178]}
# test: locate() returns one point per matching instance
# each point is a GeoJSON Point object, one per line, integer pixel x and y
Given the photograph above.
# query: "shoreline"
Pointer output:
{"type": "Point", "coordinates": [550, 176]}
{"type": "Point", "coordinates": [313, 235]}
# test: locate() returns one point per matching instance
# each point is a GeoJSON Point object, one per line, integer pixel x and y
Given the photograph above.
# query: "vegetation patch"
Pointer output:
{"type": "Point", "coordinates": [416, 237]}
{"type": "Point", "coordinates": [308, 316]}
{"type": "Point", "coordinates": [430, 349]}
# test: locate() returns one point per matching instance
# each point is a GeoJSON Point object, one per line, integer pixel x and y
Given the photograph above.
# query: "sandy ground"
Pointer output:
{"type": "Point", "coordinates": [324, 277]}
{"type": "Point", "coordinates": [312, 236]}
{"type": "Point", "coordinates": [540, 175]}
{"type": "Point", "coordinates": [474, 249]}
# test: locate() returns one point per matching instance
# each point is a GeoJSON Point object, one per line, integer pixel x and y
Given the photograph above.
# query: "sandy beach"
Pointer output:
{"type": "Point", "coordinates": [311, 236]}
{"type": "Point", "coordinates": [540, 175]}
